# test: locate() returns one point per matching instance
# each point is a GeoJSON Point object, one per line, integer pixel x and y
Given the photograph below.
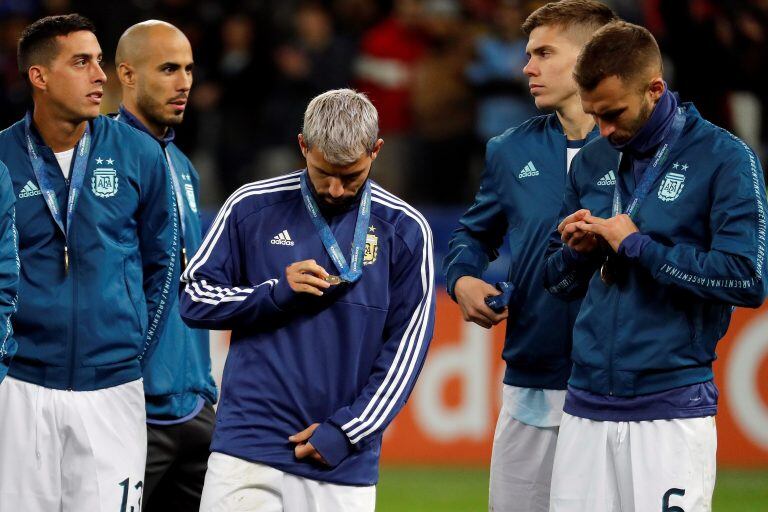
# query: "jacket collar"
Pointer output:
{"type": "Point", "coordinates": [555, 124]}
{"type": "Point", "coordinates": [132, 120]}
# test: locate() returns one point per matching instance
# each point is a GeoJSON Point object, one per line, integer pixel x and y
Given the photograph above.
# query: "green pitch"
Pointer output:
{"type": "Point", "coordinates": [466, 490]}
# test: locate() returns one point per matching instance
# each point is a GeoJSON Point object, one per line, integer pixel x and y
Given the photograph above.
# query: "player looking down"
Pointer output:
{"type": "Point", "coordinates": [330, 326]}
{"type": "Point", "coordinates": [663, 233]}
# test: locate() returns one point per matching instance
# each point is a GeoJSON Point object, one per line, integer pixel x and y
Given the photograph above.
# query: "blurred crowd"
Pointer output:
{"type": "Point", "coordinates": [446, 75]}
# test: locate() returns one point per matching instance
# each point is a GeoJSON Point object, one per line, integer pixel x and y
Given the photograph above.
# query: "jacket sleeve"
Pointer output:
{"type": "Point", "coordinates": [481, 230]}
{"type": "Point", "coordinates": [733, 270]}
{"type": "Point", "coordinates": [9, 270]}
{"type": "Point", "coordinates": [407, 334]}
{"type": "Point", "coordinates": [158, 227]}
{"type": "Point", "coordinates": [567, 273]}
{"type": "Point", "coordinates": [216, 294]}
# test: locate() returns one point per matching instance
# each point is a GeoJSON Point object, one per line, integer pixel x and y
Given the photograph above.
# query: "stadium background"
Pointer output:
{"type": "Point", "coordinates": [445, 76]}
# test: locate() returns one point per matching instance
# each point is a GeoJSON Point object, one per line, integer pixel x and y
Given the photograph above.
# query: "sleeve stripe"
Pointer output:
{"type": "Point", "coordinates": [203, 289]}
{"type": "Point", "coordinates": [197, 294]}
{"type": "Point", "coordinates": [217, 228]}
{"type": "Point", "coordinates": [412, 343]}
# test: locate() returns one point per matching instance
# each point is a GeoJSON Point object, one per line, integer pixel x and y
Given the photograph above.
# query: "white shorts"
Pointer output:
{"type": "Point", "coordinates": [521, 463]}
{"type": "Point", "coordinates": [71, 450]}
{"type": "Point", "coordinates": [637, 466]}
{"type": "Point", "coordinates": [235, 485]}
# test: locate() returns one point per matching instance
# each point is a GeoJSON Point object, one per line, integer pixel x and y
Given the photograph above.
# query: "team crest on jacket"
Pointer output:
{"type": "Point", "coordinates": [191, 197]}
{"type": "Point", "coordinates": [104, 182]}
{"type": "Point", "coordinates": [371, 249]}
{"type": "Point", "coordinates": [671, 186]}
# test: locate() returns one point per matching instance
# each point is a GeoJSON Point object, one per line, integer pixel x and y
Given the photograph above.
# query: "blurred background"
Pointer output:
{"type": "Point", "coordinates": [445, 75]}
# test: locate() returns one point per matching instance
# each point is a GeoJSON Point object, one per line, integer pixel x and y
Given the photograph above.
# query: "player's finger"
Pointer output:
{"type": "Point", "coordinates": [483, 317]}
{"type": "Point", "coordinates": [498, 317]}
{"type": "Point", "coordinates": [310, 267]}
{"type": "Point", "coordinates": [569, 231]}
{"type": "Point", "coordinates": [488, 289]}
{"type": "Point", "coordinates": [577, 215]}
{"type": "Point", "coordinates": [311, 280]}
{"type": "Point", "coordinates": [591, 219]}
{"type": "Point", "coordinates": [303, 450]}
{"type": "Point", "coordinates": [598, 229]}
{"type": "Point", "coordinates": [302, 436]}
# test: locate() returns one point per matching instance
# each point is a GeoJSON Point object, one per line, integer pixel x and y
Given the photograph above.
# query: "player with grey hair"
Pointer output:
{"type": "Point", "coordinates": [327, 342]}
{"type": "Point", "coordinates": [344, 124]}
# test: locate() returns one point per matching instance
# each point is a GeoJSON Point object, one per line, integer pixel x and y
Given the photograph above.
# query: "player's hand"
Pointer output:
{"type": "Point", "coordinates": [470, 294]}
{"type": "Point", "coordinates": [574, 217]}
{"type": "Point", "coordinates": [613, 230]}
{"type": "Point", "coordinates": [574, 237]}
{"type": "Point", "coordinates": [304, 448]}
{"type": "Point", "coordinates": [307, 277]}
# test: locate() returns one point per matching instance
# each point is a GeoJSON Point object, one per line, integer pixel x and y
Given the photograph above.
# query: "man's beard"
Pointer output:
{"type": "Point", "coordinates": [153, 110]}
{"type": "Point", "coordinates": [646, 109]}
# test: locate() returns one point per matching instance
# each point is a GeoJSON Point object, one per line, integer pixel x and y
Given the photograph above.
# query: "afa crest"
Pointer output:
{"type": "Point", "coordinates": [671, 186]}
{"type": "Point", "coordinates": [371, 249]}
{"type": "Point", "coordinates": [104, 182]}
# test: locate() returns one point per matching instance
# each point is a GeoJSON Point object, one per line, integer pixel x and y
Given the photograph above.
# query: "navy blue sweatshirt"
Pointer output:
{"type": "Point", "coordinates": [347, 360]}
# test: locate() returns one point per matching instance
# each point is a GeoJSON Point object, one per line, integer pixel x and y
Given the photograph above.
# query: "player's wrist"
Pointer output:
{"type": "Point", "coordinates": [331, 443]}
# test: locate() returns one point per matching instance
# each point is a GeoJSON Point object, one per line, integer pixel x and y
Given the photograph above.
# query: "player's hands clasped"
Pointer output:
{"type": "Point", "coordinates": [470, 294]}
{"type": "Point", "coordinates": [304, 448]}
{"type": "Point", "coordinates": [307, 277]}
{"type": "Point", "coordinates": [573, 236]}
{"type": "Point", "coordinates": [613, 230]}
{"type": "Point", "coordinates": [583, 232]}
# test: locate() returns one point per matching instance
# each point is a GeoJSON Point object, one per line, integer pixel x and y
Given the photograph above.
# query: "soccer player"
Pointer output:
{"type": "Point", "coordinates": [326, 281]}
{"type": "Point", "coordinates": [98, 248]}
{"type": "Point", "coordinates": [154, 64]}
{"type": "Point", "coordinates": [520, 196]}
{"type": "Point", "coordinates": [664, 234]}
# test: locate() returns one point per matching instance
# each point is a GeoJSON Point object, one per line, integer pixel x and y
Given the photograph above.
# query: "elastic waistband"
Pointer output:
{"type": "Point", "coordinates": [632, 383]}
{"type": "Point", "coordinates": [84, 378]}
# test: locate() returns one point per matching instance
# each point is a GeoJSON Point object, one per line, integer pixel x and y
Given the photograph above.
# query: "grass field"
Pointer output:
{"type": "Point", "coordinates": [466, 490]}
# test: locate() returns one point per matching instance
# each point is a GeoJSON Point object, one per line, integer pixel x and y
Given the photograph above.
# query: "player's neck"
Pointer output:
{"type": "Point", "coordinates": [157, 130]}
{"type": "Point", "coordinates": [58, 133]}
{"type": "Point", "coordinates": [576, 124]}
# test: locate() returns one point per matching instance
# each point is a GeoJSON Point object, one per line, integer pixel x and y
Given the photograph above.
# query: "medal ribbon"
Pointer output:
{"type": "Point", "coordinates": [78, 175]}
{"type": "Point", "coordinates": [347, 272]}
{"type": "Point", "coordinates": [652, 172]}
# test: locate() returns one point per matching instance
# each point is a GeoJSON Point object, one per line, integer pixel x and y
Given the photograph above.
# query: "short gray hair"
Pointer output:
{"type": "Point", "coordinates": [343, 124]}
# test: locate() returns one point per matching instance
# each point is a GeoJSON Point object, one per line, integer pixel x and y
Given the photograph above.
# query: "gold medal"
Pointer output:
{"type": "Point", "coordinates": [333, 280]}
{"type": "Point", "coordinates": [66, 260]}
{"type": "Point", "coordinates": [183, 259]}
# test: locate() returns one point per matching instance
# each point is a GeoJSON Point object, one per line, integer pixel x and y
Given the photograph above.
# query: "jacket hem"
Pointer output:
{"type": "Point", "coordinates": [628, 383]}
{"type": "Point", "coordinates": [84, 378]}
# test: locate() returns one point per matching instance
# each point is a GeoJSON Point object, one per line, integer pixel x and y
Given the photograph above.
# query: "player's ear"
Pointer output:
{"type": "Point", "coordinates": [126, 74]}
{"type": "Point", "coordinates": [303, 145]}
{"type": "Point", "coordinates": [38, 77]}
{"type": "Point", "coordinates": [656, 88]}
{"type": "Point", "coordinates": [377, 148]}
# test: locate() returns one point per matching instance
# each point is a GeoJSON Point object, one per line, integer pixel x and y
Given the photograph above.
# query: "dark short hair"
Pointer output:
{"type": "Point", "coordinates": [37, 44]}
{"type": "Point", "coordinates": [568, 14]}
{"type": "Point", "coordinates": [620, 49]}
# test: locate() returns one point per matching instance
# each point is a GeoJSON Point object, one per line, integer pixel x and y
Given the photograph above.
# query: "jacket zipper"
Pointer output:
{"type": "Point", "coordinates": [71, 275]}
